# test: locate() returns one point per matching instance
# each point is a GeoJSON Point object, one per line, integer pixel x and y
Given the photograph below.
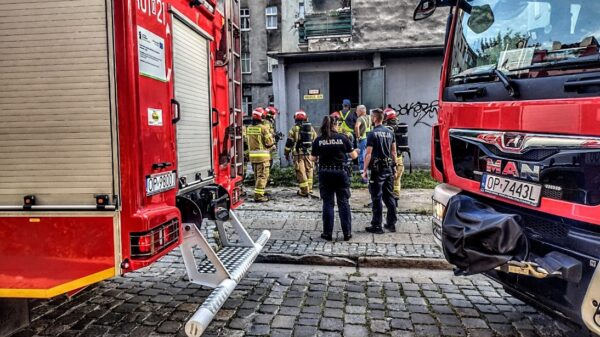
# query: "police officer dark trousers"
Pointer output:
{"type": "Point", "coordinates": [380, 160]}
{"type": "Point", "coordinates": [331, 149]}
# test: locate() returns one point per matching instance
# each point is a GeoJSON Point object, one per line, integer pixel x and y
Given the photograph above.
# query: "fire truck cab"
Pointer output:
{"type": "Point", "coordinates": [120, 133]}
{"type": "Point", "coordinates": [516, 149]}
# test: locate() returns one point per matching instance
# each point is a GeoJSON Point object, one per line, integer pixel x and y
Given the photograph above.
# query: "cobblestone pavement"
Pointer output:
{"type": "Point", "coordinates": [280, 300]}
{"type": "Point", "coordinates": [295, 224]}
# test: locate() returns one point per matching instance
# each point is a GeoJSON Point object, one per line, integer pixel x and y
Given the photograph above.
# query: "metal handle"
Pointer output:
{"type": "Point", "coordinates": [215, 121]}
{"type": "Point", "coordinates": [582, 83]}
{"type": "Point", "coordinates": [158, 166]}
{"type": "Point", "coordinates": [471, 92]}
{"type": "Point", "coordinates": [177, 111]}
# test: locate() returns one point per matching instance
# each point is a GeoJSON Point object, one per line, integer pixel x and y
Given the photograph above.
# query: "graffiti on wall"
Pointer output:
{"type": "Point", "coordinates": [423, 113]}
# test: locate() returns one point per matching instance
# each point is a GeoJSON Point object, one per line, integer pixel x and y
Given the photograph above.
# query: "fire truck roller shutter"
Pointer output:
{"type": "Point", "coordinates": [192, 90]}
{"type": "Point", "coordinates": [56, 103]}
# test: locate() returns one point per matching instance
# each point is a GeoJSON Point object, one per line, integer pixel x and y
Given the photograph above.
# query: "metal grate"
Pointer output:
{"type": "Point", "coordinates": [543, 229]}
{"type": "Point", "coordinates": [232, 258]}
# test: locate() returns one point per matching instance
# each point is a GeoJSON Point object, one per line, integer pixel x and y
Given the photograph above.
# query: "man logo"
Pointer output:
{"type": "Point", "coordinates": [513, 141]}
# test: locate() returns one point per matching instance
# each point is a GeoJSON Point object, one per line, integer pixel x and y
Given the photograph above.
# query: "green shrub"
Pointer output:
{"type": "Point", "coordinates": [286, 177]}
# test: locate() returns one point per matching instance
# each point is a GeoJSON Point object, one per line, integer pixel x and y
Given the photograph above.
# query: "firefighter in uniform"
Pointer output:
{"type": "Point", "coordinates": [269, 120]}
{"type": "Point", "coordinates": [299, 144]}
{"type": "Point", "coordinates": [380, 160]}
{"type": "Point", "coordinates": [260, 142]}
{"type": "Point", "coordinates": [391, 121]}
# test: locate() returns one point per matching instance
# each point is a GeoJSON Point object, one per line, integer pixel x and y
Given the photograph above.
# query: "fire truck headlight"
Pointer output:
{"type": "Point", "coordinates": [439, 210]}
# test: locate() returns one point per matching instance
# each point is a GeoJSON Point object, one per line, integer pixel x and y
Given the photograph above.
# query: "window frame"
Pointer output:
{"type": "Point", "coordinates": [270, 63]}
{"type": "Point", "coordinates": [246, 57]}
{"type": "Point", "coordinates": [245, 14]}
{"type": "Point", "coordinates": [271, 15]}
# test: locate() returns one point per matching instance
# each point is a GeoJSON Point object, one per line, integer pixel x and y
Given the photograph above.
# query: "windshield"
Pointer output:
{"type": "Point", "coordinates": [516, 36]}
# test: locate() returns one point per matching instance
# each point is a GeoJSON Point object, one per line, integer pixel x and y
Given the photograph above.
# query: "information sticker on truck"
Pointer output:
{"type": "Point", "coordinates": [517, 190]}
{"type": "Point", "coordinates": [161, 182]}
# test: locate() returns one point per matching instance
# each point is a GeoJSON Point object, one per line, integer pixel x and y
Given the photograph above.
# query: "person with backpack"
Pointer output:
{"type": "Point", "coordinates": [400, 131]}
{"type": "Point", "coordinates": [299, 145]}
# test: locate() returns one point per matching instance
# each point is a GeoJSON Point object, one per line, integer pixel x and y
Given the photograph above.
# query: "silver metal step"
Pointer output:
{"type": "Point", "coordinates": [221, 270]}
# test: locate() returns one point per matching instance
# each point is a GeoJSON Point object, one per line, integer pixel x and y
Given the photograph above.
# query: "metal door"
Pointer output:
{"type": "Point", "coordinates": [56, 103]}
{"type": "Point", "coordinates": [373, 88]}
{"type": "Point", "coordinates": [192, 92]}
{"type": "Point", "coordinates": [314, 95]}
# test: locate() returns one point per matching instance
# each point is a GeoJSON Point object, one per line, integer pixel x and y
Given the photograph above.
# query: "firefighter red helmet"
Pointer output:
{"type": "Point", "coordinates": [271, 111]}
{"type": "Point", "coordinates": [258, 114]}
{"type": "Point", "coordinates": [389, 114]}
{"type": "Point", "coordinates": [300, 115]}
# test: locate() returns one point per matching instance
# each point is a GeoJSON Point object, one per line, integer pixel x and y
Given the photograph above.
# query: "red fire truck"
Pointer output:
{"type": "Point", "coordinates": [517, 149]}
{"type": "Point", "coordinates": [121, 132]}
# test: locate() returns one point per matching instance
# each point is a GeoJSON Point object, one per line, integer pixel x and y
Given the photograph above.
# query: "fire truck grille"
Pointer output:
{"type": "Point", "coordinates": [569, 174]}
{"type": "Point", "coordinates": [531, 155]}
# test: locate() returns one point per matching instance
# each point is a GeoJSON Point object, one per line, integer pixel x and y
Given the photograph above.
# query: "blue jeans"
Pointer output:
{"type": "Point", "coordinates": [335, 185]}
{"type": "Point", "coordinates": [362, 148]}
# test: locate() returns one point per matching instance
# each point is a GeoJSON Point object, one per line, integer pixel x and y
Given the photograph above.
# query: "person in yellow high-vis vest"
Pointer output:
{"type": "Point", "coordinates": [299, 144]}
{"type": "Point", "coordinates": [260, 141]}
{"type": "Point", "coordinates": [348, 117]}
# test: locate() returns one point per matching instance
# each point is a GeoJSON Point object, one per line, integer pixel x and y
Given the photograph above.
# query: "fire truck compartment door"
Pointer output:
{"type": "Point", "coordinates": [476, 238]}
{"type": "Point", "coordinates": [192, 91]}
{"type": "Point", "coordinates": [56, 103]}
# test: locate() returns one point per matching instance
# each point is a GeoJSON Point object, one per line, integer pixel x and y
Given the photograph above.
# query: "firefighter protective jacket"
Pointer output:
{"type": "Point", "coordinates": [293, 145]}
{"type": "Point", "coordinates": [260, 141]}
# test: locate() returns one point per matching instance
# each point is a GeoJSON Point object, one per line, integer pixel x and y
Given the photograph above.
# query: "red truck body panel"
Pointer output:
{"type": "Point", "coordinates": [44, 254]}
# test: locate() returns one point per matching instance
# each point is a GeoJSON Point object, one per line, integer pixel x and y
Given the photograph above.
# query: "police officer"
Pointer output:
{"type": "Point", "coordinates": [391, 121]}
{"type": "Point", "coordinates": [260, 141]}
{"type": "Point", "coordinates": [381, 161]}
{"type": "Point", "coordinates": [299, 144]}
{"type": "Point", "coordinates": [331, 149]}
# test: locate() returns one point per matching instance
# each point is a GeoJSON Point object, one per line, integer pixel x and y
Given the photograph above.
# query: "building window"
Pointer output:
{"type": "Point", "coordinates": [301, 9]}
{"type": "Point", "coordinates": [247, 104]}
{"type": "Point", "coordinates": [246, 63]}
{"type": "Point", "coordinates": [245, 19]}
{"type": "Point", "coordinates": [270, 62]}
{"type": "Point", "coordinates": [271, 15]}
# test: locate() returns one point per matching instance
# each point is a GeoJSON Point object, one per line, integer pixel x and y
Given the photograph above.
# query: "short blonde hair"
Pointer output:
{"type": "Point", "coordinates": [361, 107]}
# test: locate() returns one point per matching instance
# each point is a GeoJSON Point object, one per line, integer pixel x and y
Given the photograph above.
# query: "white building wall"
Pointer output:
{"type": "Point", "coordinates": [412, 86]}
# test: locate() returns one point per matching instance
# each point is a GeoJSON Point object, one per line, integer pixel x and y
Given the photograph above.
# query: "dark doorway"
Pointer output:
{"type": "Point", "coordinates": [343, 85]}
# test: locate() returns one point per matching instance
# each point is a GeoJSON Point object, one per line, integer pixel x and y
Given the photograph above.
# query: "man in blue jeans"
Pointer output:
{"type": "Point", "coordinates": [381, 162]}
{"type": "Point", "coordinates": [361, 129]}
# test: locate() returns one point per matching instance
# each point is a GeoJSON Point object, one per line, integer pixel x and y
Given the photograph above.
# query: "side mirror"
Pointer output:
{"type": "Point", "coordinates": [481, 19]}
{"type": "Point", "coordinates": [425, 9]}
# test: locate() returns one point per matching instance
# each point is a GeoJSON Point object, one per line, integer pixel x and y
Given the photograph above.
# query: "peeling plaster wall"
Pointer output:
{"type": "Point", "coordinates": [387, 24]}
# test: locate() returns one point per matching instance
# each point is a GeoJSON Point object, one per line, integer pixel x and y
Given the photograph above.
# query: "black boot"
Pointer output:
{"type": "Point", "coordinates": [374, 230]}
{"type": "Point", "coordinates": [390, 228]}
{"type": "Point", "coordinates": [347, 237]}
{"type": "Point", "coordinates": [327, 237]}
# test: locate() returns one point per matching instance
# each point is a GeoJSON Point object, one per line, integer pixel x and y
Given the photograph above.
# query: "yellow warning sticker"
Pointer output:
{"type": "Point", "coordinates": [313, 97]}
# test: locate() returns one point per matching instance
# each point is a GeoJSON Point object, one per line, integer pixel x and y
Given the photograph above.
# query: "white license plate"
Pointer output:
{"type": "Point", "coordinates": [161, 182]}
{"type": "Point", "coordinates": [513, 189]}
